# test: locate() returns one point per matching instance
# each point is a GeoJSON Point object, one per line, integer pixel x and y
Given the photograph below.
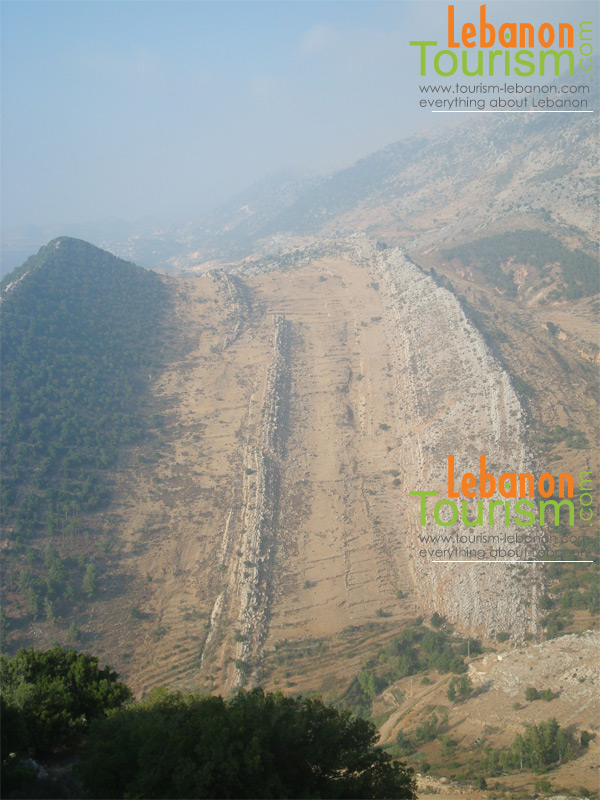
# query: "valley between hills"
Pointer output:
{"type": "Point", "coordinates": [277, 508]}
{"type": "Point", "coordinates": [305, 378]}
{"type": "Point", "coordinates": [267, 536]}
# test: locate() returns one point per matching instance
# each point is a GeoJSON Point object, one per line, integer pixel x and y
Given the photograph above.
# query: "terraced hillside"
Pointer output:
{"type": "Point", "coordinates": [268, 533]}
{"type": "Point", "coordinates": [262, 530]}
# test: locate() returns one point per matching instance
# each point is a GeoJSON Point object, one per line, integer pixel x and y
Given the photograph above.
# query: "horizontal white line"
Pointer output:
{"type": "Point", "coordinates": [496, 561]}
{"type": "Point", "coordinates": [503, 111]}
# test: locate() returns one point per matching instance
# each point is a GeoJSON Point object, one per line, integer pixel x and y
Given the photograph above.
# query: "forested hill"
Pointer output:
{"type": "Point", "coordinates": [80, 331]}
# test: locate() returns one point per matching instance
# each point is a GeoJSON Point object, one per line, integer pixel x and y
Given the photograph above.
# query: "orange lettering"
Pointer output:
{"type": "Point", "coordinates": [511, 29]}
{"type": "Point", "coordinates": [468, 32]}
{"type": "Point", "coordinates": [546, 34]}
{"type": "Point", "coordinates": [525, 477]}
{"type": "Point", "coordinates": [484, 28]}
{"type": "Point", "coordinates": [564, 27]}
{"type": "Point", "coordinates": [468, 483]}
{"type": "Point", "coordinates": [484, 477]}
{"type": "Point", "coordinates": [565, 478]}
{"type": "Point", "coordinates": [451, 492]}
{"type": "Point", "coordinates": [526, 28]}
{"type": "Point", "coordinates": [545, 476]}
{"type": "Point", "coordinates": [511, 478]}
{"type": "Point", "coordinates": [451, 41]}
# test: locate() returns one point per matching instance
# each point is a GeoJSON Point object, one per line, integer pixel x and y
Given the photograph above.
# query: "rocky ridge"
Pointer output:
{"type": "Point", "coordinates": [250, 529]}
{"type": "Point", "coordinates": [454, 398]}
{"type": "Point", "coordinates": [234, 297]}
{"type": "Point", "coordinates": [444, 374]}
{"type": "Point", "coordinates": [261, 497]}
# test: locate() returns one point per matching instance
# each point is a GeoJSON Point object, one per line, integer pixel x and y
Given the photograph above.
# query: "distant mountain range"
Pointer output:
{"type": "Point", "coordinates": [483, 175]}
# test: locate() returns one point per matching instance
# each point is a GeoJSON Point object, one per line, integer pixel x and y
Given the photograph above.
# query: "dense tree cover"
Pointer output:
{"type": "Point", "coordinates": [535, 247]}
{"type": "Point", "coordinates": [172, 745]}
{"type": "Point", "coordinates": [50, 697]}
{"type": "Point", "coordinates": [48, 585]}
{"type": "Point", "coordinates": [541, 746]}
{"type": "Point", "coordinates": [79, 334]}
{"type": "Point", "coordinates": [254, 745]}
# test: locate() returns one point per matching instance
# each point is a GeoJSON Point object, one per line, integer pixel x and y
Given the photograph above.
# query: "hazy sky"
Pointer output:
{"type": "Point", "coordinates": [166, 108]}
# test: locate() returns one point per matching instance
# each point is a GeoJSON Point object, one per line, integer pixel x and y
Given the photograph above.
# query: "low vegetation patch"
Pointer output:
{"type": "Point", "coordinates": [415, 650]}
{"type": "Point", "coordinates": [493, 255]}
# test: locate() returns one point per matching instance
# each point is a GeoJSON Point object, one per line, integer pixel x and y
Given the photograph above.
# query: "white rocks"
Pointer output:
{"type": "Point", "coordinates": [261, 497]}
{"type": "Point", "coordinates": [456, 399]}
{"type": "Point", "coordinates": [453, 397]}
{"type": "Point", "coordinates": [236, 301]}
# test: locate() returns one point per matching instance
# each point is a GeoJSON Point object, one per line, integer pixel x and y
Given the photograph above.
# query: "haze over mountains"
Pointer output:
{"type": "Point", "coordinates": [526, 169]}
{"type": "Point", "coordinates": [208, 471]}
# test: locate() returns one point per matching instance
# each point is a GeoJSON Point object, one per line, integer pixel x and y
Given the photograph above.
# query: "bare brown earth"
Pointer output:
{"type": "Point", "coordinates": [335, 552]}
{"type": "Point", "coordinates": [306, 408]}
{"type": "Point", "coordinates": [266, 535]}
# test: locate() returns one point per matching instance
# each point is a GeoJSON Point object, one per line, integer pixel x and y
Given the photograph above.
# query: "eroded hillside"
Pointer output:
{"type": "Point", "coordinates": [272, 519]}
{"type": "Point", "coordinates": [262, 530]}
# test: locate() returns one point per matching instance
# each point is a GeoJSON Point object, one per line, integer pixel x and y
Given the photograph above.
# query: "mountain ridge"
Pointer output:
{"type": "Point", "coordinates": [263, 530]}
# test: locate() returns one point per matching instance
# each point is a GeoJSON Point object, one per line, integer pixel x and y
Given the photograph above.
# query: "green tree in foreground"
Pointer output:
{"type": "Point", "coordinates": [50, 697]}
{"type": "Point", "coordinates": [255, 745]}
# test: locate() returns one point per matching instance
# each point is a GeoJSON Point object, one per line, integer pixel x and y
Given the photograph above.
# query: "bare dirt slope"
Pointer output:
{"type": "Point", "coordinates": [275, 510]}
{"type": "Point", "coordinates": [270, 511]}
{"type": "Point", "coordinates": [268, 534]}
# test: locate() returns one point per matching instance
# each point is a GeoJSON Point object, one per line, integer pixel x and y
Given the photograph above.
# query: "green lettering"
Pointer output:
{"type": "Point", "coordinates": [436, 513]}
{"type": "Point", "coordinates": [520, 58]}
{"type": "Point", "coordinates": [423, 46]}
{"type": "Point", "coordinates": [438, 57]}
{"type": "Point", "coordinates": [568, 503]}
{"type": "Point", "coordinates": [525, 508]}
{"type": "Point", "coordinates": [466, 520]}
{"type": "Point", "coordinates": [557, 56]}
{"type": "Point", "coordinates": [423, 496]}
